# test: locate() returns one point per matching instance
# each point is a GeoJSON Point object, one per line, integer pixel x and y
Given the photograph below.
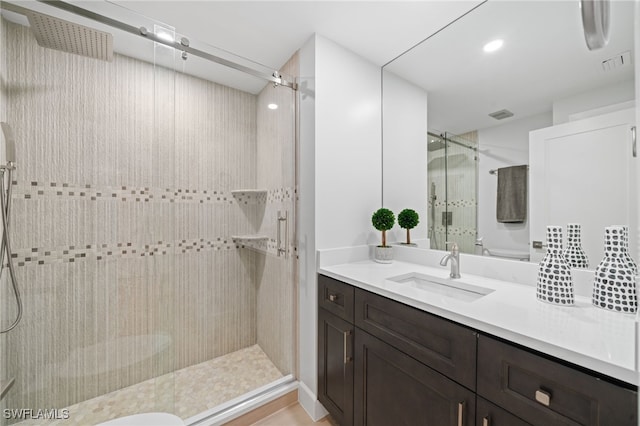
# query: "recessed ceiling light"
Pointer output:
{"type": "Point", "coordinates": [272, 106]}
{"type": "Point", "coordinates": [492, 46]}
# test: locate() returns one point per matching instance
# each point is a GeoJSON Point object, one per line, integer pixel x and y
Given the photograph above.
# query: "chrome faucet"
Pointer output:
{"type": "Point", "coordinates": [454, 257]}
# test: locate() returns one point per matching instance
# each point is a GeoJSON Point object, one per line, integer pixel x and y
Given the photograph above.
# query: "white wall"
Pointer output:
{"type": "Point", "coordinates": [404, 152]}
{"type": "Point", "coordinates": [307, 294]}
{"type": "Point", "coordinates": [593, 99]}
{"type": "Point", "coordinates": [348, 146]}
{"type": "Point", "coordinates": [503, 146]}
{"type": "Point", "coordinates": [340, 176]}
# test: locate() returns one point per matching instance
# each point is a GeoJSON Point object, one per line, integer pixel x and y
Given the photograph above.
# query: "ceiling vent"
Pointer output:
{"type": "Point", "coordinates": [502, 114]}
{"type": "Point", "coordinates": [620, 60]}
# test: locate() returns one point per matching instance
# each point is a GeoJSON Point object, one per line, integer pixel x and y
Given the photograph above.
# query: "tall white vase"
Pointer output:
{"type": "Point", "coordinates": [555, 283]}
{"type": "Point", "coordinates": [614, 287]}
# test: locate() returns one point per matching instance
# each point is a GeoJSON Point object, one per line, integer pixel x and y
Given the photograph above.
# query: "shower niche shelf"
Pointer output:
{"type": "Point", "coordinates": [241, 192]}
{"type": "Point", "coordinates": [250, 196]}
{"type": "Point", "coordinates": [250, 238]}
{"type": "Point", "coordinates": [256, 242]}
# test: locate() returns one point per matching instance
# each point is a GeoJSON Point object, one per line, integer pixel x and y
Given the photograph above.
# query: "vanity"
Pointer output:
{"type": "Point", "coordinates": [403, 344]}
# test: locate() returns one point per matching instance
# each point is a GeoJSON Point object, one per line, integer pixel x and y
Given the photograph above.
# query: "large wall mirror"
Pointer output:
{"type": "Point", "coordinates": [505, 122]}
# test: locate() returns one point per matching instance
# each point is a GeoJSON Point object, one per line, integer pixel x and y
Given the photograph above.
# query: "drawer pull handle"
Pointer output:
{"type": "Point", "coordinates": [333, 297]}
{"type": "Point", "coordinates": [345, 336]}
{"type": "Point", "coordinates": [460, 413]}
{"type": "Point", "coordinates": [486, 420]}
{"type": "Point", "coordinates": [543, 397]}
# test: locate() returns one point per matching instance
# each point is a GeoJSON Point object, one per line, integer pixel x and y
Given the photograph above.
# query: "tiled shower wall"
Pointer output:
{"type": "Point", "coordinates": [122, 224]}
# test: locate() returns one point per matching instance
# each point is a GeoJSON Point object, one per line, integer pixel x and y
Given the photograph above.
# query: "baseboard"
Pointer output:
{"type": "Point", "coordinates": [310, 403]}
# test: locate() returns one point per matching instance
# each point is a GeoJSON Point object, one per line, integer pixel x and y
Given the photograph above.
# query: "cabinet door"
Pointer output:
{"type": "Point", "coordinates": [335, 366]}
{"type": "Point", "coordinates": [391, 388]}
{"type": "Point", "coordinates": [492, 415]}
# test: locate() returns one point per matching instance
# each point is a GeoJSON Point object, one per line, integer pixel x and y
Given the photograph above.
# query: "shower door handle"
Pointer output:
{"type": "Point", "coordinates": [634, 142]}
{"type": "Point", "coordinates": [280, 249]}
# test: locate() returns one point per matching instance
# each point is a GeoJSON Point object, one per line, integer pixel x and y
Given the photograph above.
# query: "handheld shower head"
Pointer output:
{"type": "Point", "coordinates": [9, 143]}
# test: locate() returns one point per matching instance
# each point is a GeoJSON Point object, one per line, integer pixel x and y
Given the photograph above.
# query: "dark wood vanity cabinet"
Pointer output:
{"type": "Point", "coordinates": [381, 362]}
{"type": "Point", "coordinates": [335, 348]}
{"type": "Point", "coordinates": [384, 363]}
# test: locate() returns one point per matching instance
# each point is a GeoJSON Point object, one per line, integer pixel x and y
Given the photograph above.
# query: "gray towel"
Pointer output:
{"type": "Point", "coordinates": [511, 206]}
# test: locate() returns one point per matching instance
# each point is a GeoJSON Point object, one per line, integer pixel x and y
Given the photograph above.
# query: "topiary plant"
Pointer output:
{"type": "Point", "coordinates": [408, 219]}
{"type": "Point", "coordinates": [383, 220]}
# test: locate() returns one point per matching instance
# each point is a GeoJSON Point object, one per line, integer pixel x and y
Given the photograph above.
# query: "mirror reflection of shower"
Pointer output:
{"type": "Point", "coordinates": [452, 179]}
{"type": "Point", "coordinates": [6, 171]}
{"type": "Point", "coordinates": [432, 210]}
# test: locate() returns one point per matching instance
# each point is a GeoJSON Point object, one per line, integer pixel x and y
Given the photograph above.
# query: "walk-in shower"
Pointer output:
{"type": "Point", "coordinates": [452, 175]}
{"type": "Point", "coordinates": [152, 222]}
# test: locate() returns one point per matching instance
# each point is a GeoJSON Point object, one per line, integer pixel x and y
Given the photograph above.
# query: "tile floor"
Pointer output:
{"type": "Point", "coordinates": [186, 392]}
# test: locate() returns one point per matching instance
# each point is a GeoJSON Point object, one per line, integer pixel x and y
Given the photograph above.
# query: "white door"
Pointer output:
{"type": "Point", "coordinates": [584, 172]}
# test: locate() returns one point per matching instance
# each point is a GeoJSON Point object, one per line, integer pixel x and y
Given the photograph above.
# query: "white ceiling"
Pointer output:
{"type": "Point", "coordinates": [269, 32]}
{"type": "Point", "coordinates": [544, 58]}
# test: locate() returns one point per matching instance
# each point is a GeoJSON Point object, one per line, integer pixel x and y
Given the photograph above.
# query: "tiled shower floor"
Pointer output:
{"type": "Point", "coordinates": [186, 392]}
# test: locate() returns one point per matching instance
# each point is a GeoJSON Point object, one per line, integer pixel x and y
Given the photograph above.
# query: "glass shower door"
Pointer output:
{"type": "Point", "coordinates": [94, 145]}
{"type": "Point", "coordinates": [452, 173]}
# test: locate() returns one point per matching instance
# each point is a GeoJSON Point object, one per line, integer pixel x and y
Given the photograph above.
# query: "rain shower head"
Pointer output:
{"type": "Point", "coordinates": [9, 143]}
{"type": "Point", "coordinates": [58, 34]}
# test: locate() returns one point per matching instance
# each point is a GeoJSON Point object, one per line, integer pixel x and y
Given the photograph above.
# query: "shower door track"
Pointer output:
{"type": "Point", "coordinates": [244, 404]}
{"type": "Point", "coordinates": [182, 45]}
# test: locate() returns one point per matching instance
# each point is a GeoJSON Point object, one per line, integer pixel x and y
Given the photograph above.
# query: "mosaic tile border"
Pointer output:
{"type": "Point", "coordinates": [35, 189]}
{"type": "Point", "coordinates": [455, 203]}
{"type": "Point", "coordinates": [456, 231]}
{"type": "Point", "coordinates": [99, 252]}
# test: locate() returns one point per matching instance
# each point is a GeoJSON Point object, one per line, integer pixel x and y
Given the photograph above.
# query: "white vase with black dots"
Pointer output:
{"type": "Point", "coordinates": [555, 283]}
{"type": "Point", "coordinates": [574, 254]}
{"type": "Point", "coordinates": [614, 287]}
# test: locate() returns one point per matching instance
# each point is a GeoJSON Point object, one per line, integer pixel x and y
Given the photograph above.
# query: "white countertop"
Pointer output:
{"type": "Point", "coordinates": [582, 334]}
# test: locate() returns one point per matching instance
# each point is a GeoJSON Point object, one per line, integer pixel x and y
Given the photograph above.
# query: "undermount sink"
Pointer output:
{"type": "Point", "coordinates": [442, 286]}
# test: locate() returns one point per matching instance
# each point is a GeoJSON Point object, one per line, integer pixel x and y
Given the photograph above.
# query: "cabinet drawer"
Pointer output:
{"type": "Point", "coordinates": [336, 297]}
{"type": "Point", "coordinates": [488, 414]}
{"type": "Point", "coordinates": [442, 345]}
{"type": "Point", "coordinates": [545, 392]}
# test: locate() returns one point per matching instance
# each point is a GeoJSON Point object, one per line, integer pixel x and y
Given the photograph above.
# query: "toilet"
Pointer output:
{"type": "Point", "coordinates": [508, 254]}
{"type": "Point", "coordinates": [146, 419]}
